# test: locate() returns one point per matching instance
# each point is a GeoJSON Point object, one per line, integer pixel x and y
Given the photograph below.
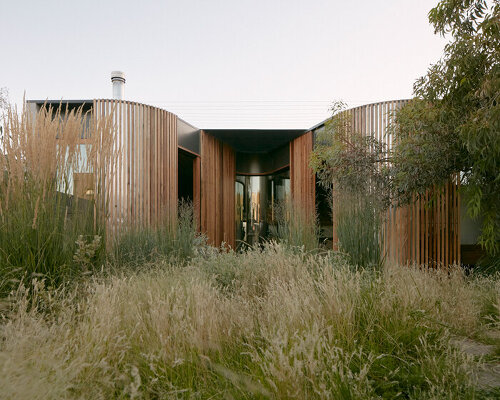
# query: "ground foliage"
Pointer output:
{"type": "Point", "coordinates": [453, 124]}
{"type": "Point", "coordinates": [353, 169]}
{"type": "Point", "coordinates": [451, 127]}
{"type": "Point", "coordinates": [267, 323]}
{"type": "Point", "coordinates": [43, 226]}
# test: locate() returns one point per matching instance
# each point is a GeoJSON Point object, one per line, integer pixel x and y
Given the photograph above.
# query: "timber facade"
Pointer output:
{"type": "Point", "coordinates": [235, 178]}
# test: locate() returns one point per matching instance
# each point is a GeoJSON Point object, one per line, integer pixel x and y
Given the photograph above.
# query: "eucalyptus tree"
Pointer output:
{"type": "Point", "coordinates": [450, 128]}
{"type": "Point", "coordinates": [453, 124]}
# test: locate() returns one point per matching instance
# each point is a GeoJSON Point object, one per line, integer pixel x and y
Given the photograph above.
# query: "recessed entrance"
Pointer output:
{"type": "Point", "coordinates": [257, 200]}
{"type": "Point", "coordinates": [185, 176]}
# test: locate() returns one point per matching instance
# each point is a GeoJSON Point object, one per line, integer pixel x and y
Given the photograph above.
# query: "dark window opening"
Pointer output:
{"type": "Point", "coordinates": [324, 214]}
{"type": "Point", "coordinates": [185, 176]}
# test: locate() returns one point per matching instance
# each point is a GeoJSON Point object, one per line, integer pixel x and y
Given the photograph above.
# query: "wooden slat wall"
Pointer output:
{"type": "Point", "coordinates": [302, 178]}
{"type": "Point", "coordinates": [142, 185]}
{"type": "Point", "coordinates": [218, 175]}
{"type": "Point", "coordinates": [433, 228]}
{"type": "Point", "coordinates": [426, 231]}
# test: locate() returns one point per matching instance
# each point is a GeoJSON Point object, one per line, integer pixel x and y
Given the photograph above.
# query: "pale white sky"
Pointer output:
{"type": "Point", "coordinates": [219, 64]}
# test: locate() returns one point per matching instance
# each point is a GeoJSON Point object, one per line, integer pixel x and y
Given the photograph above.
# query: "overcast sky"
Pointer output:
{"type": "Point", "coordinates": [228, 63]}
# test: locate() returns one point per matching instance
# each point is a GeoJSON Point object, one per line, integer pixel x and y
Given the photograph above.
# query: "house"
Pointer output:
{"type": "Point", "coordinates": [234, 178]}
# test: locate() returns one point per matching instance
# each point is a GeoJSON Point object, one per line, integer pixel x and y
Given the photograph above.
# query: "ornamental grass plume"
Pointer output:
{"type": "Point", "coordinates": [41, 216]}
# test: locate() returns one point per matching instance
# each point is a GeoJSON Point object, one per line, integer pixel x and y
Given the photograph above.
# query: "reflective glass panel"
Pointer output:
{"type": "Point", "coordinates": [256, 201]}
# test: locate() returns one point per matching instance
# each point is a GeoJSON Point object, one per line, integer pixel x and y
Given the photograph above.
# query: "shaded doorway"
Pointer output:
{"type": "Point", "coordinates": [185, 176]}
{"type": "Point", "coordinates": [188, 181]}
{"type": "Point", "coordinates": [257, 199]}
{"type": "Point", "coordinates": [324, 214]}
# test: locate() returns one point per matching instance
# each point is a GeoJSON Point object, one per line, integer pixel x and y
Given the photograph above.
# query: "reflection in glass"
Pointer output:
{"type": "Point", "coordinates": [256, 201]}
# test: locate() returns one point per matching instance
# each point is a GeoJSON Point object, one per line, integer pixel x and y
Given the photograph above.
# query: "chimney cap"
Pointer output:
{"type": "Point", "coordinates": [118, 76]}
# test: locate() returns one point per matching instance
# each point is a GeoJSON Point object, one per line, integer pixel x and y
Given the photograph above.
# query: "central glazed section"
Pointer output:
{"type": "Point", "coordinates": [246, 177]}
{"type": "Point", "coordinates": [259, 200]}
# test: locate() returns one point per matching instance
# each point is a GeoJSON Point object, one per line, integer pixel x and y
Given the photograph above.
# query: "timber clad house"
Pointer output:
{"type": "Point", "coordinates": [235, 177]}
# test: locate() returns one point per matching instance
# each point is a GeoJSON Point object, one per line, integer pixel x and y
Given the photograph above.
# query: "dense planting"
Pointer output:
{"type": "Point", "coordinates": [269, 323]}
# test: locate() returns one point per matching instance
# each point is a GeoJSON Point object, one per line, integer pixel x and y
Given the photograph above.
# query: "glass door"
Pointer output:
{"type": "Point", "coordinates": [257, 198]}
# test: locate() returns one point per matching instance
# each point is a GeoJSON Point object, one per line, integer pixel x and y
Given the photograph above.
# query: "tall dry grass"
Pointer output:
{"type": "Point", "coordinates": [358, 222]}
{"type": "Point", "coordinates": [40, 218]}
{"type": "Point", "coordinates": [143, 245]}
{"type": "Point", "coordinates": [296, 227]}
{"type": "Point", "coordinates": [269, 323]}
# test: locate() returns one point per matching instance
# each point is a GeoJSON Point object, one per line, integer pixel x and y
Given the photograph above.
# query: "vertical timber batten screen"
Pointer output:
{"type": "Point", "coordinates": [302, 178]}
{"type": "Point", "coordinates": [141, 186]}
{"type": "Point", "coordinates": [427, 231]}
{"type": "Point", "coordinates": [218, 175]}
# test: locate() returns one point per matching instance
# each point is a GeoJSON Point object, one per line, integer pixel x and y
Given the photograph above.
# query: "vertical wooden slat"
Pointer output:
{"type": "Point", "coordinates": [302, 178]}
{"type": "Point", "coordinates": [147, 171]}
{"type": "Point", "coordinates": [140, 164]}
{"type": "Point", "coordinates": [428, 242]}
{"type": "Point", "coordinates": [144, 169]}
{"type": "Point", "coordinates": [173, 152]}
{"type": "Point", "coordinates": [453, 224]}
{"type": "Point", "coordinates": [164, 155]}
{"type": "Point", "coordinates": [111, 178]}
{"type": "Point", "coordinates": [147, 164]}
{"type": "Point", "coordinates": [170, 161]}
{"type": "Point", "coordinates": [228, 195]}
{"type": "Point", "coordinates": [218, 192]}
{"type": "Point", "coordinates": [127, 161]}
{"type": "Point", "coordinates": [457, 211]}
{"type": "Point", "coordinates": [421, 204]}
{"type": "Point", "coordinates": [447, 231]}
{"type": "Point", "coordinates": [168, 154]}
{"type": "Point", "coordinates": [154, 166]}
{"type": "Point", "coordinates": [122, 169]}
{"type": "Point", "coordinates": [441, 227]}
{"type": "Point", "coordinates": [175, 164]}
{"type": "Point", "coordinates": [417, 230]}
{"type": "Point", "coordinates": [135, 166]}
{"type": "Point", "coordinates": [163, 168]}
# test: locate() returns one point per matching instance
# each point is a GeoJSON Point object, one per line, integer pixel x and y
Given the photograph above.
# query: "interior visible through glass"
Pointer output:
{"type": "Point", "coordinates": [257, 199]}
